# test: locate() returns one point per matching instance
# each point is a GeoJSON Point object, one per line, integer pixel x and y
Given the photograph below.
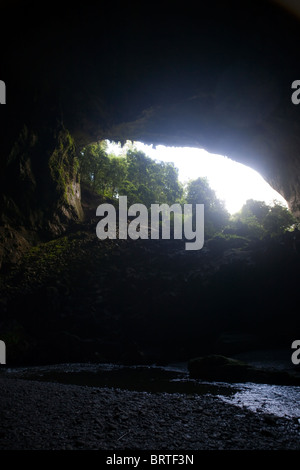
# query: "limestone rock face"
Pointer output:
{"type": "Point", "coordinates": [41, 190]}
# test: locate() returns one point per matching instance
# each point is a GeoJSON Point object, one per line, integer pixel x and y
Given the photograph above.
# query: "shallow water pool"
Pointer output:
{"type": "Point", "coordinates": [279, 400]}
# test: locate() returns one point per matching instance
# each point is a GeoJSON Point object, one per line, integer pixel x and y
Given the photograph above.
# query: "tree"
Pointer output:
{"type": "Point", "coordinates": [93, 165]}
{"type": "Point", "coordinates": [154, 181]}
{"type": "Point", "coordinates": [171, 189]}
{"type": "Point", "coordinates": [127, 188]}
{"type": "Point", "coordinates": [135, 175]}
{"type": "Point", "coordinates": [215, 214]}
{"type": "Point", "coordinates": [115, 175]}
{"type": "Point", "coordinates": [278, 220]}
{"type": "Point", "coordinates": [258, 209]}
{"type": "Point", "coordinates": [256, 219]}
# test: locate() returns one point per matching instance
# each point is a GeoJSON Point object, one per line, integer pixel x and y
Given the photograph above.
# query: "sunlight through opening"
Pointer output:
{"type": "Point", "coordinates": [233, 182]}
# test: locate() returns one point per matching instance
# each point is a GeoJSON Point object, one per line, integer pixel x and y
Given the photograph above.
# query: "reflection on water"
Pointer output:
{"type": "Point", "coordinates": [275, 399]}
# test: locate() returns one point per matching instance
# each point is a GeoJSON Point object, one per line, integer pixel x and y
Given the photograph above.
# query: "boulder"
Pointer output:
{"type": "Point", "coordinates": [224, 369]}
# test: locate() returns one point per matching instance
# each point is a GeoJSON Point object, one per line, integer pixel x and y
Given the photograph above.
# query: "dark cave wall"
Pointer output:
{"type": "Point", "coordinates": [43, 189]}
{"type": "Point", "coordinates": [41, 194]}
{"type": "Point", "coordinates": [218, 77]}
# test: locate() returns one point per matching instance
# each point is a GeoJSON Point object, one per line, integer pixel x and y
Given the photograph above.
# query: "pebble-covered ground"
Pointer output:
{"type": "Point", "coordinates": [52, 416]}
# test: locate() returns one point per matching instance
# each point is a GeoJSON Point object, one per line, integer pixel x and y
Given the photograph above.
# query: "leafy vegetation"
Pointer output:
{"type": "Point", "coordinates": [257, 220]}
{"type": "Point", "coordinates": [134, 175]}
{"type": "Point", "coordinates": [63, 163]}
{"type": "Point", "coordinates": [147, 181]}
{"type": "Point", "coordinates": [216, 216]}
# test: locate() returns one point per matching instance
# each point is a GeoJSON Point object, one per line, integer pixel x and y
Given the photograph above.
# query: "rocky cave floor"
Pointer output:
{"type": "Point", "coordinates": [51, 416]}
{"type": "Point", "coordinates": [77, 299]}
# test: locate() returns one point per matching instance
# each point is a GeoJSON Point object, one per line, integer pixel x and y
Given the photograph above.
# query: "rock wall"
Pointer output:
{"type": "Point", "coordinates": [41, 190]}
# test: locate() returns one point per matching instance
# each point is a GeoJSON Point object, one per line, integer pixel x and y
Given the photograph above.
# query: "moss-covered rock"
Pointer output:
{"type": "Point", "coordinates": [41, 189]}
{"type": "Point", "coordinates": [64, 166]}
{"type": "Point", "coordinates": [43, 166]}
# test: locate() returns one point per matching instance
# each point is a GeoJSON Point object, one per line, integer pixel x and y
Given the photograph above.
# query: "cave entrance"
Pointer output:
{"type": "Point", "coordinates": [233, 182]}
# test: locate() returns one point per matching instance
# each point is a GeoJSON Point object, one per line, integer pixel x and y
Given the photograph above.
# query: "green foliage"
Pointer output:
{"type": "Point", "coordinates": [134, 175]}
{"type": "Point", "coordinates": [146, 181]}
{"type": "Point", "coordinates": [49, 253]}
{"type": "Point", "coordinates": [278, 220]}
{"type": "Point", "coordinates": [93, 163]}
{"type": "Point", "coordinates": [63, 163]}
{"type": "Point", "coordinates": [115, 174]}
{"type": "Point", "coordinates": [257, 220]}
{"type": "Point", "coordinates": [215, 214]}
{"type": "Point", "coordinates": [127, 188]}
{"type": "Point", "coordinates": [256, 209]}
{"type": "Point", "coordinates": [155, 182]}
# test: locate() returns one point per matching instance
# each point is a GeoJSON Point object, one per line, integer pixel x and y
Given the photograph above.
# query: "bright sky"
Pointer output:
{"type": "Point", "coordinates": [233, 182]}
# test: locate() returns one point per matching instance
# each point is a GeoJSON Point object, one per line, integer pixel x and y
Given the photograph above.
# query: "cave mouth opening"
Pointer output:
{"type": "Point", "coordinates": [234, 183]}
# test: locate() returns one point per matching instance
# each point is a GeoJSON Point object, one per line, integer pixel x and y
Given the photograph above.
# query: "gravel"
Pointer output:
{"type": "Point", "coordinates": [52, 416]}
